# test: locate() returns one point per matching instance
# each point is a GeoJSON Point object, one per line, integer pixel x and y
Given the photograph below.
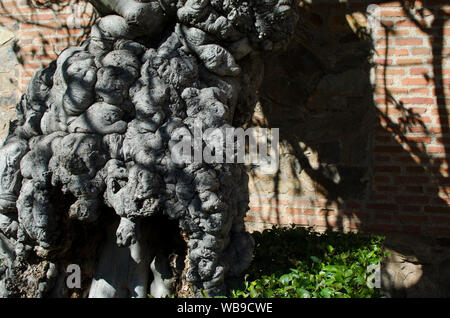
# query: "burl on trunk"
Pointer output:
{"type": "Point", "coordinates": [91, 173]}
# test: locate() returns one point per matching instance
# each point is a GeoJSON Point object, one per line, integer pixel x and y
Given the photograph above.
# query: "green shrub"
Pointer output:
{"type": "Point", "coordinates": [298, 262]}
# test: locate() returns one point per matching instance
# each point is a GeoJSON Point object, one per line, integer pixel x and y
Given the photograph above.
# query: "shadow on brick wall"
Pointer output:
{"type": "Point", "coordinates": [354, 155]}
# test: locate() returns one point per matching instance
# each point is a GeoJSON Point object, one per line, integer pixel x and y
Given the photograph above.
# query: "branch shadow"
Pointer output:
{"type": "Point", "coordinates": [353, 155]}
{"type": "Point", "coordinates": [52, 24]}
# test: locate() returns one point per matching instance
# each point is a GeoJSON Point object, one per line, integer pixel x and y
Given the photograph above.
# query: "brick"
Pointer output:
{"type": "Point", "coordinates": [256, 209]}
{"type": "Point", "coordinates": [418, 199]}
{"type": "Point", "coordinates": [383, 216]}
{"type": "Point", "coordinates": [415, 170]}
{"type": "Point", "coordinates": [299, 211]}
{"type": "Point", "coordinates": [418, 100]}
{"type": "Point", "coordinates": [411, 208]}
{"type": "Point", "coordinates": [390, 90]}
{"type": "Point", "coordinates": [383, 158]}
{"type": "Point", "coordinates": [384, 188]}
{"type": "Point", "coordinates": [440, 231]}
{"type": "Point", "coordinates": [438, 130]}
{"type": "Point", "coordinates": [388, 149]}
{"type": "Point", "coordinates": [326, 212]}
{"type": "Point", "coordinates": [382, 207]}
{"type": "Point", "coordinates": [250, 218]}
{"type": "Point", "coordinates": [437, 209]}
{"type": "Point", "coordinates": [382, 179]}
{"type": "Point", "coordinates": [31, 48]}
{"type": "Point", "coordinates": [393, 32]}
{"type": "Point", "coordinates": [47, 57]}
{"type": "Point", "coordinates": [387, 23]}
{"type": "Point", "coordinates": [379, 197]}
{"type": "Point", "coordinates": [408, 61]}
{"type": "Point", "coordinates": [308, 211]}
{"type": "Point", "coordinates": [391, 71]}
{"type": "Point", "coordinates": [383, 227]}
{"type": "Point", "coordinates": [31, 66]}
{"type": "Point", "coordinates": [300, 220]}
{"type": "Point", "coordinates": [383, 81]}
{"type": "Point", "coordinates": [412, 179]}
{"type": "Point", "coordinates": [408, 41]}
{"type": "Point", "coordinates": [418, 71]}
{"type": "Point", "coordinates": [383, 61]}
{"type": "Point", "coordinates": [409, 23]}
{"type": "Point", "coordinates": [411, 229]}
{"type": "Point", "coordinates": [437, 149]}
{"type": "Point", "coordinates": [417, 129]}
{"type": "Point", "coordinates": [440, 219]}
{"type": "Point", "coordinates": [324, 222]}
{"type": "Point", "coordinates": [27, 26]}
{"type": "Point", "coordinates": [420, 51]}
{"type": "Point", "coordinates": [416, 81]}
{"type": "Point", "coordinates": [414, 189]}
{"type": "Point", "coordinates": [354, 224]}
{"type": "Point", "coordinates": [412, 218]}
{"type": "Point", "coordinates": [387, 169]}
{"type": "Point", "coordinates": [392, 13]}
{"type": "Point", "coordinates": [48, 32]}
{"type": "Point", "coordinates": [418, 110]}
{"type": "Point", "coordinates": [391, 4]}
{"type": "Point", "coordinates": [419, 91]}
{"type": "Point", "coordinates": [31, 34]}
{"type": "Point", "coordinates": [41, 16]}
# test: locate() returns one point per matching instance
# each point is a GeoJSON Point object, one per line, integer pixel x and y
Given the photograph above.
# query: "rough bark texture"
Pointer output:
{"type": "Point", "coordinates": [87, 171]}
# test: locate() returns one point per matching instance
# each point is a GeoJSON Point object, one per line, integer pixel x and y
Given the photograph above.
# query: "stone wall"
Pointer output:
{"type": "Point", "coordinates": [360, 99]}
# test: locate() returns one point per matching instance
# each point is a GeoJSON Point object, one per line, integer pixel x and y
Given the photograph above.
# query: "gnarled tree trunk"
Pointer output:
{"type": "Point", "coordinates": [91, 171]}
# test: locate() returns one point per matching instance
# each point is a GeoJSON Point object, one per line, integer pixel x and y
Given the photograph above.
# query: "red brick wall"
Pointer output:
{"type": "Point", "coordinates": [43, 29]}
{"type": "Point", "coordinates": [409, 187]}
{"type": "Point", "coordinates": [412, 140]}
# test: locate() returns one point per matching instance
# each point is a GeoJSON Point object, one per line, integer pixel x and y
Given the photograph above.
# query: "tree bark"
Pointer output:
{"type": "Point", "coordinates": [93, 173]}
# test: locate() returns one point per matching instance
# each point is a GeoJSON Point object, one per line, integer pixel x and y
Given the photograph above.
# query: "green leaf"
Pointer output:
{"type": "Point", "coordinates": [326, 292]}
{"type": "Point", "coordinates": [332, 268]}
{"type": "Point", "coordinates": [303, 293]}
{"type": "Point", "coordinates": [285, 279]}
{"type": "Point", "coordinates": [315, 259]}
{"type": "Point", "coordinates": [253, 293]}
